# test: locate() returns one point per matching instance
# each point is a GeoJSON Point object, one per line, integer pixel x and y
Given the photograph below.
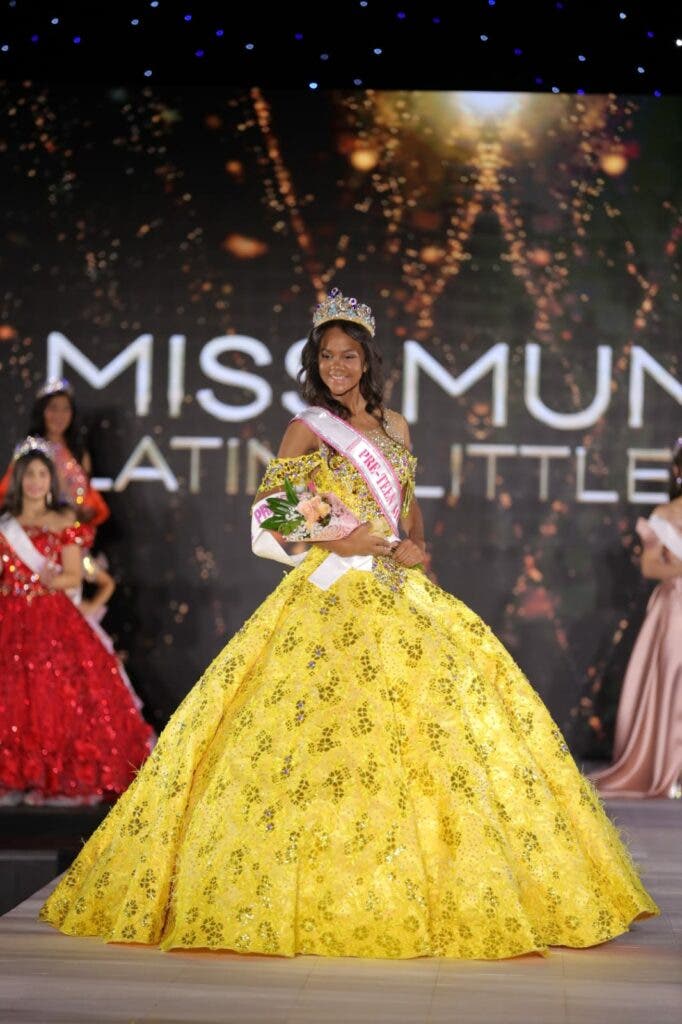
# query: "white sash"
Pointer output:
{"type": "Point", "coordinates": [369, 460]}
{"type": "Point", "coordinates": [263, 543]}
{"type": "Point", "coordinates": [667, 533]}
{"type": "Point", "coordinates": [19, 540]}
{"type": "Point", "coordinates": [375, 469]}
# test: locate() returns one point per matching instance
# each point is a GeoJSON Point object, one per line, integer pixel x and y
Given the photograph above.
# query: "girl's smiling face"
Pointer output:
{"type": "Point", "coordinates": [341, 362]}
{"type": "Point", "coordinates": [36, 480]}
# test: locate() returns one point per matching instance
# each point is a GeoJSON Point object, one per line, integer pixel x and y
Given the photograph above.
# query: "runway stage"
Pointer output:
{"type": "Point", "coordinates": [47, 977]}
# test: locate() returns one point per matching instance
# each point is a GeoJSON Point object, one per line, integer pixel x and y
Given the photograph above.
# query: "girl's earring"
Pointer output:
{"type": "Point", "coordinates": [49, 497]}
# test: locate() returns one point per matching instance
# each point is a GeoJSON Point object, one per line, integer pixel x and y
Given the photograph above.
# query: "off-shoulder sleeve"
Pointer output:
{"type": "Point", "coordinates": [78, 533]}
{"type": "Point", "coordinates": [299, 470]}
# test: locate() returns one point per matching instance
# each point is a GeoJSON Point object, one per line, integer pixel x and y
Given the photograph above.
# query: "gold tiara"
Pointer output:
{"type": "Point", "coordinates": [55, 386]}
{"type": "Point", "coordinates": [337, 307]}
{"type": "Point", "coordinates": [33, 444]}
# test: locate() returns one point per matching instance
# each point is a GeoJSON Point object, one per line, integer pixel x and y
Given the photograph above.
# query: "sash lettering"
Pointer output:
{"type": "Point", "coordinates": [369, 460]}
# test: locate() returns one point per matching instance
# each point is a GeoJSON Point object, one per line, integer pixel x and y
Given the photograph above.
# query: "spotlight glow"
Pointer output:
{"type": "Point", "coordinates": [487, 105]}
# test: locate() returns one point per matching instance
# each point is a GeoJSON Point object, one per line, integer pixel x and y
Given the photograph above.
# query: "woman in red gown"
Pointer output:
{"type": "Point", "coordinates": [69, 729]}
{"type": "Point", "coordinates": [54, 419]}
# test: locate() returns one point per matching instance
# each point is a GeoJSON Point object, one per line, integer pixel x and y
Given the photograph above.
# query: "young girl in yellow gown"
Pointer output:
{"type": "Point", "coordinates": [363, 770]}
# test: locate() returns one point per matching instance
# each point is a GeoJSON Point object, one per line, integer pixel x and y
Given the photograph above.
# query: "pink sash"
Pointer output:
{"type": "Point", "coordinates": [369, 460]}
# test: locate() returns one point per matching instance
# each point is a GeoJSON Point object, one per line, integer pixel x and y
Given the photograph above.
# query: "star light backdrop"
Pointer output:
{"type": "Point", "coordinates": [520, 253]}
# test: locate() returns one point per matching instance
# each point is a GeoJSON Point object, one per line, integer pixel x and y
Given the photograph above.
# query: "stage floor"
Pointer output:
{"type": "Point", "coordinates": [47, 977]}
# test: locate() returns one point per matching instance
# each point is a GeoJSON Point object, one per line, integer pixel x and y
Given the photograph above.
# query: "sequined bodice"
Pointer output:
{"type": "Point", "coordinates": [17, 578]}
{"type": "Point", "coordinates": [334, 471]}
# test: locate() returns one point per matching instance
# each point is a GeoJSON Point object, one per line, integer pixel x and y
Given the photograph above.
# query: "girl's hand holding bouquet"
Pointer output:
{"type": "Point", "coordinates": [304, 514]}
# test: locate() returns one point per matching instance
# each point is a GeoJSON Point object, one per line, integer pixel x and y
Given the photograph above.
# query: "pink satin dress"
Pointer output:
{"type": "Point", "coordinates": [647, 749]}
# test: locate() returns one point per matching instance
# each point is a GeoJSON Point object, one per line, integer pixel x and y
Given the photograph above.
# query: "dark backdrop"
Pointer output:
{"type": "Point", "coordinates": [520, 252]}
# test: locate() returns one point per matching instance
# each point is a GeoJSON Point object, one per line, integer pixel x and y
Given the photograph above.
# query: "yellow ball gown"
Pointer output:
{"type": "Point", "coordinates": [362, 771]}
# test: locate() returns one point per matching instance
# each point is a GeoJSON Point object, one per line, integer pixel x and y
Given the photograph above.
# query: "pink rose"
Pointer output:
{"type": "Point", "coordinates": [313, 509]}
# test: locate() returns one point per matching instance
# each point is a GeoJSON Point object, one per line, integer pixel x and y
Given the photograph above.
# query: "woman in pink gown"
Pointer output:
{"type": "Point", "coordinates": [647, 748]}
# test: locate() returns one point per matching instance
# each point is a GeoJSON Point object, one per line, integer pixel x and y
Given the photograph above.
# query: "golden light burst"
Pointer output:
{"type": "Point", "coordinates": [614, 162]}
{"type": "Point", "coordinates": [364, 158]}
{"type": "Point", "coordinates": [244, 248]}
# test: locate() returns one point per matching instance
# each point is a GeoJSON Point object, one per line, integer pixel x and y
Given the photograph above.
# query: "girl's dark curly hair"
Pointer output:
{"type": "Point", "coordinates": [675, 488]}
{"type": "Point", "coordinates": [73, 435]}
{"type": "Point", "coordinates": [14, 499]}
{"type": "Point", "coordinates": [316, 392]}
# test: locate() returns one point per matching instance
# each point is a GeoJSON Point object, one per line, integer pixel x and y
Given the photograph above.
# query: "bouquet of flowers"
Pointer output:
{"type": "Point", "coordinates": [304, 514]}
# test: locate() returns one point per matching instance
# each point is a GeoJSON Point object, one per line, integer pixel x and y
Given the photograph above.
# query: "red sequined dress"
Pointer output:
{"type": "Point", "coordinates": [69, 728]}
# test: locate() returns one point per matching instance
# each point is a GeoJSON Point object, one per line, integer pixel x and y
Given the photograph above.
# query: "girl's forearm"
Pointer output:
{"type": "Point", "coordinates": [660, 570]}
{"type": "Point", "coordinates": [65, 581]}
{"type": "Point", "coordinates": [102, 596]}
{"type": "Point", "coordinates": [413, 526]}
{"type": "Point", "coordinates": [336, 547]}
{"type": "Point", "coordinates": [416, 535]}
